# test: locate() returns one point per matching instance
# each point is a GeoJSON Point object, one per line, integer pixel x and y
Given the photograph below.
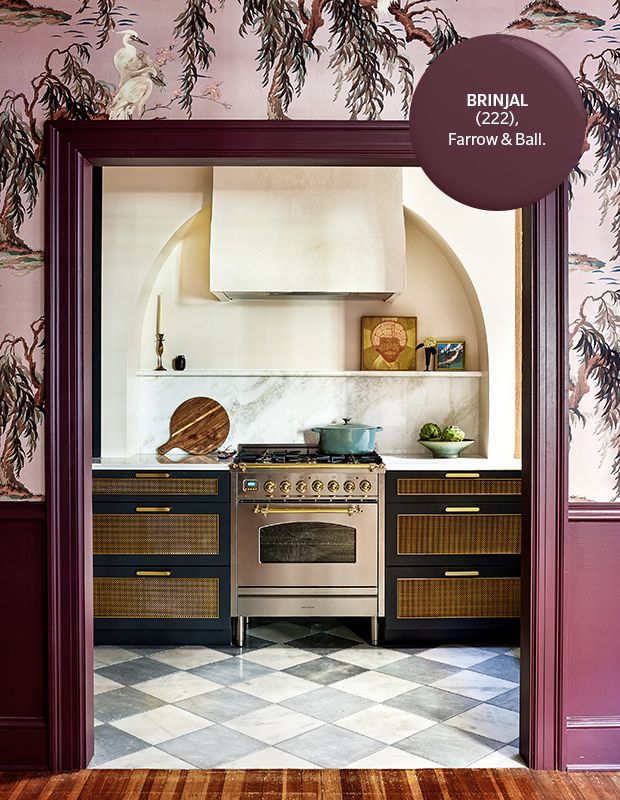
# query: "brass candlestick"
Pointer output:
{"type": "Point", "coordinates": [159, 349]}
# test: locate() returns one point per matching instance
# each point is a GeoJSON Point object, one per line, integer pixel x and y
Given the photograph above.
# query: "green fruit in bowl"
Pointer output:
{"type": "Point", "coordinates": [430, 432]}
{"type": "Point", "coordinates": [452, 434]}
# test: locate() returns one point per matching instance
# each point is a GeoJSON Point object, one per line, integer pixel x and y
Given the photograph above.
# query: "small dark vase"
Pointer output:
{"type": "Point", "coordinates": [178, 363]}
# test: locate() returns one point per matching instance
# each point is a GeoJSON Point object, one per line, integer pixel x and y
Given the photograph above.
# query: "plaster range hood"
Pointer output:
{"type": "Point", "coordinates": [313, 232]}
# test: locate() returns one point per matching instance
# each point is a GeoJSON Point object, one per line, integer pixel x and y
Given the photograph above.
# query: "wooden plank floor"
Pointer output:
{"type": "Point", "coordinates": [455, 784]}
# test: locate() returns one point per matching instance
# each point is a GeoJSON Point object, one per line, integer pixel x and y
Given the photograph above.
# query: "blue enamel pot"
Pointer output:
{"type": "Point", "coordinates": [347, 438]}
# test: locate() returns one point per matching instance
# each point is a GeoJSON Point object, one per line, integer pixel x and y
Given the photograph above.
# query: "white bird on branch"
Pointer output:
{"type": "Point", "coordinates": [130, 62]}
{"type": "Point", "coordinates": [130, 100]}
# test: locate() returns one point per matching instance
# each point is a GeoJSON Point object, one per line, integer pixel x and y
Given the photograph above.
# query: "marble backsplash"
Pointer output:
{"type": "Point", "coordinates": [284, 408]}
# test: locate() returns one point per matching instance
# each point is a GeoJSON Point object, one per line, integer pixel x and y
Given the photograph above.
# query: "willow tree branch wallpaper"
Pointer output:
{"type": "Point", "coordinates": [291, 59]}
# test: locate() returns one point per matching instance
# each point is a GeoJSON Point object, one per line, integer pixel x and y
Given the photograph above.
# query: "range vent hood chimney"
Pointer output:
{"type": "Point", "coordinates": [307, 232]}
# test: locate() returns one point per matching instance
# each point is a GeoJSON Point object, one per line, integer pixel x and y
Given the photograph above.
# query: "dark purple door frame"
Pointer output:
{"type": "Point", "coordinates": [72, 149]}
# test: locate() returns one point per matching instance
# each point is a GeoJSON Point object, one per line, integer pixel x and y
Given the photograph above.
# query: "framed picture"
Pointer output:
{"type": "Point", "coordinates": [450, 355]}
{"type": "Point", "coordinates": [388, 342]}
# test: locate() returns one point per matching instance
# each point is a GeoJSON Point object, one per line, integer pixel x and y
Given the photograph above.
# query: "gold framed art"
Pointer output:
{"type": "Point", "coordinates": [388, 343]}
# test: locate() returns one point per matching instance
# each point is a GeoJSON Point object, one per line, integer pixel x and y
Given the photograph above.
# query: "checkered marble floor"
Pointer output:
{"type": "Point", "coordinates": [305, 694]}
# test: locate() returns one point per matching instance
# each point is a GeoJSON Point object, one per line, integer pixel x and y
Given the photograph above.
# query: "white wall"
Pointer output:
{"type": "Point", "coordinates": [484, 242]}
{"type": "Point", "coordinates": [156, 238]}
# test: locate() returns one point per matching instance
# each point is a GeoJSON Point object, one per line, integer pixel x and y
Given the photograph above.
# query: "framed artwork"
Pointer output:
{"type": "Point", "coordinates": [389, 343]}
{"type": "Point", "coordinates": [450, 355]}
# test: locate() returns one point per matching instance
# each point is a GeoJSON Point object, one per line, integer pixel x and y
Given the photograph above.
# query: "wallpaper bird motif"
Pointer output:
{"type": "Point", "coordinates": [278, 59]}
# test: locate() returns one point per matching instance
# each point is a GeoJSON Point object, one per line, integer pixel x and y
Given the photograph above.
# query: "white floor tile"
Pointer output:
{"type": "Point", "coordinates": [150, 758]}
{"type": "Point", "coordinates": [474, 684]}
{"type": "Point", "coordinates": [108, 655]}
{"type": "Point", "coordinates": [375, 686]}
{"type": "Point", "coordinates": [273, 724]}
{"type": "Point", "coordinates": [385, 724]}
{"type": "Point", "coordinates": [506, 758]}
{"type": "Point", "coordinates": [177, 686]}
{"type": "Point", "coordinates": [189, 657]}
{"type": "Point", "coordinates": [393, 758]}
{"type": "Point", "coordinates": [490, 721]}
{"type": "Point", "coordinates": [368, 657]}
{"type": "Point", "coordinates": [279, 657]}
{"type": "Point", "coordinates": [161, 724]}
{"type": "Point", "coordinates": [103, 685]}
{"type": "Point", "coordinates": [97, 722]}
{"type": "Point", "coordinates": [279, 632]}
{"type": "Point", "coordinates": [276, 687]}
{"type": "Point", "coordinates": [269, 758]}
{"type": "Point", "coordinates": [457, 655]}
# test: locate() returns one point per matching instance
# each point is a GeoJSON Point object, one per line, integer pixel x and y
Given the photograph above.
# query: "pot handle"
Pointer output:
{"type": "Point", "coordinates": [379, 429]}
{"type": "Point", "coordinates": [316, 430]}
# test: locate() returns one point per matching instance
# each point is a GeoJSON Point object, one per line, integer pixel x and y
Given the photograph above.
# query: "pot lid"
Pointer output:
{"type": "Point", "coordinates": [346, 424]}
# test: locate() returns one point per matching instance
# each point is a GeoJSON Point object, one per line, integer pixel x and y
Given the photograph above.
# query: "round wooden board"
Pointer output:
{"type": "Point", "coordinates": [199, 426]}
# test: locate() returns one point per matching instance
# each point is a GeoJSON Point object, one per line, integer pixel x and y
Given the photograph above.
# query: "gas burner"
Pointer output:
{"type": "Point", "coordinates": [303, 455]}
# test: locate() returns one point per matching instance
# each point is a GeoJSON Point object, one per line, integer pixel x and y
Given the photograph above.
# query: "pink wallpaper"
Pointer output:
{"type": "Point", "coordinates": [331, 59]}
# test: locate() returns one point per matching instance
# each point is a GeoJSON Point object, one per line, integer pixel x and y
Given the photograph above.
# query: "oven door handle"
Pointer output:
{"type": "Point", "coordinates": [350, 510]}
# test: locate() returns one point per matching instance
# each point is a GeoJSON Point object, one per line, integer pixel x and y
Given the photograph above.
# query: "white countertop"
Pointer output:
{"type": "Point", "coordinates": [392, 463]}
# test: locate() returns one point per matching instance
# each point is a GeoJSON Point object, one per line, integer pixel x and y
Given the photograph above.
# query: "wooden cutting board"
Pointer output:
{"type": "Point", "coordinates": [198, 426]}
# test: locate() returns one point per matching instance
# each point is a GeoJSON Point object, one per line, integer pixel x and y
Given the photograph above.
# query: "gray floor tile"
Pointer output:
{"type": "Point", "coordinates": [130, 672]}
{"type": "Point", "coordinates": [516, 743]}
{"type": "Point", "coordinates": [324, 670]}
{"type": "Point", "coordinates": [509, 700]}
{"type": "Point", "coordinates": [448, 746]}
{"type": "Point", "coordinates": [251, 643]}
{"type": "Point", "coordinates": [505, 667]}
{"type": "Point", "coordinates": [222, 705]}
{"type": "Point", "coordinates": [419, 670]}
{"type": "Point", "coordinates": [124, 702]}
{"type": "Point", "coordinates": [432, 703]}
{"type": "Point", "coordinates": [323, 643]}
{"type": "Point", "coordinates": [148, 649]}
{"type": "Point", "coordinates": [111, 743]}
{"type": "Point", "coordinates": [327, 704]}
{"type": "Point", "coordinates": [211, 746]}
{"type": "Point", "coordinates": [232, 670]}
{"type": "Point", "coordinates": [330, 747]}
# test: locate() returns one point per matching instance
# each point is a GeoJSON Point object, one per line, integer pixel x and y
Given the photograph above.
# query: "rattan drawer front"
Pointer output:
{"type": "Point", "coordinates": [410, 487]}
{"type": "Point", "coordinates": [170, 534]}
{"type": "Point", "coordinates": [443, 534]}
{"type": "Point", "coordinates": [157, 598]}
{"type": "Point", "coordinates": [457, 598]}
{"type": "Point", "coordinates": [156, 486]}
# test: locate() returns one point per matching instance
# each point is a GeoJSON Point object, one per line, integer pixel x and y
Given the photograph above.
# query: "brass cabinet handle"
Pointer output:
{"type": "Point", "coordinates": [153, 573]}
{"type": "Point", "coordinates": [152, 475]}
{"type": "Point", "coordinates": [462, 573]}
{"type": "Point", "coordinates": [462, 474]}
{"type": "Point", "coordinates": [350, 510]}
{"type": "Point", "coordinates": [462, 510]}
{"type": "Point", "coordinates": [153, 509]}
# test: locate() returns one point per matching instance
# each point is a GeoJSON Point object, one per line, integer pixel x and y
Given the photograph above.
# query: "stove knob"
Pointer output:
{"type": "Point", "coordinates": [269, 487]}
{"type": "Point", "coordinates": [301, 486]}
{"type": "Point", "coordinates": [365, 486]}
{"type": "Point", "coordinates": [285, 486]}
{"type": "Point", "coordinates": [333, 486]}
{"type": "Point", "coordinates": [349, 487]}
{"type": "Point", "coordinates": [317, 486]}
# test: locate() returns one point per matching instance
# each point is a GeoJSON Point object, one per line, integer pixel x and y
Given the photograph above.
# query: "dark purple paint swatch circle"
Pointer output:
{"type": "Point", "coordinates": [496, 74]}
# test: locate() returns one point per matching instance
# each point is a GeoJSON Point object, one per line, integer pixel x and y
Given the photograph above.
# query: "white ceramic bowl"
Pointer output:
{"type": "Point", "coordinates": [446, 449]}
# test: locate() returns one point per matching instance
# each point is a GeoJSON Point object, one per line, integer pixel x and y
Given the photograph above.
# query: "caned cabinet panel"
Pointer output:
{"type": "Point", "coordinates": [457, 598]}
{"type": "Point", "coordinates": [157, 598]}
{"type": "Point", "coordinates": [454, 483]}
{"type": "Point", "coordinates": [211, 485]}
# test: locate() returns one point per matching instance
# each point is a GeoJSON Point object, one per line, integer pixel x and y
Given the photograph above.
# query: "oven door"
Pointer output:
{"type": "Point", "coordinates": [307, 545]}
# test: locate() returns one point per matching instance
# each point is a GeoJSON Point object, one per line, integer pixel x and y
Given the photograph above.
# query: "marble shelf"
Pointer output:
{"type": "Point", "coordinates": [197, 373]}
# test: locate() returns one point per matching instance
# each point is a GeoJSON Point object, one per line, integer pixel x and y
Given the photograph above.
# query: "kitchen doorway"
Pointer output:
{"type": "Point", "coordinates": [544, 244]}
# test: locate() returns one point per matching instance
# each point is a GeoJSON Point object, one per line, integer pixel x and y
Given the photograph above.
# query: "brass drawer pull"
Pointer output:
{"type": "Point", "coordinates": [153, 573]}
{"type": "Point", "coordinates": [462, 475]}
{"type": "Point", "coordinates": [462, 510]}
{"type": "Point", "coordinates": [462, 573]}
{"type": "Point", "coordinates": [152, 475]}
{"type": "Point", "coordinates": [153, 509]}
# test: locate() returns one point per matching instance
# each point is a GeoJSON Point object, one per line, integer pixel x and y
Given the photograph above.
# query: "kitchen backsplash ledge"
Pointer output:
{"type": "Point", "coordinates": [282, 409]}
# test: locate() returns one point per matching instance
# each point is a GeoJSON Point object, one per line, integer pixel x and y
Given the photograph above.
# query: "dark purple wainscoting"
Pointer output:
{"type": "Point", "coordinates": [23, 636]}
{"type": "Point", "coordinates": [591, 692]}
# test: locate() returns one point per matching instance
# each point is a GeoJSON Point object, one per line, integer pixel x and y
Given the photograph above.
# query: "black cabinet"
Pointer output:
{"type": "Point", "coordinates": [161, 549]}
{"type": "Point", "coordinates": [453, 544]}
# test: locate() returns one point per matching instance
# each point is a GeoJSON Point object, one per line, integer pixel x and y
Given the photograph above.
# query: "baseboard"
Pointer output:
{"type": "Point", "coordinates": [23, 743]}
{"type": "Point", "coordinates": [592, 743]}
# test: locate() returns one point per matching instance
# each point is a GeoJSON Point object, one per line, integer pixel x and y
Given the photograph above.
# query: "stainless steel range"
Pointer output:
{"type": "Point", "coordinates": [307, 535]}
